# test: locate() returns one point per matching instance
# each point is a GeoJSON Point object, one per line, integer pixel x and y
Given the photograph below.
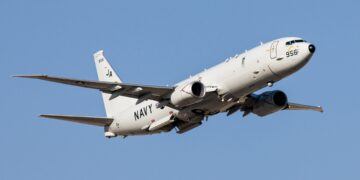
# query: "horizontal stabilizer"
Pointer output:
{"type": "Point", "coordinates": [97, 121]}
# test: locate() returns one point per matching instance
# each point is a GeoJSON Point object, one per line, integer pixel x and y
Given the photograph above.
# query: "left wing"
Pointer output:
{"type": "Point", "coordinates": [142, 92]}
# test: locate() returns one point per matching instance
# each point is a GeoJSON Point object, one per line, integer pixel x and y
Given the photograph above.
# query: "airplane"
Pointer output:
{"type": "Point", "coordinates": [135, 109]}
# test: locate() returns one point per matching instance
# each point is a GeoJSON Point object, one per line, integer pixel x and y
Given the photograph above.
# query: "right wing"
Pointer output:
{"type": "Point", "coordinates": [249, 103]}
{"type": "Point", "coordinates": [115, 88]}
{"type": "Point", "coordinates": [295, 106]}
{"type": "Point", "coordinates": [97, 121]}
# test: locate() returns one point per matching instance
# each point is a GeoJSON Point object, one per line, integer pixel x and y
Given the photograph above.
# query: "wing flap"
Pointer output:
{"type": "Point", "coordinates": [97, 121]}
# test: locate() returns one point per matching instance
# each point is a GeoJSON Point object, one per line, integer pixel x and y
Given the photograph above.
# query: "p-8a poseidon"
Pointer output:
{"type": "Point", "coordinates": [133, 109]}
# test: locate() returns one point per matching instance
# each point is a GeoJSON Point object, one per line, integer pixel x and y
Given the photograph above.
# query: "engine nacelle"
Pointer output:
{"type": "Point", "coordinates": [270, 102]}
{"type": "Point", "coordinates": [188, 94]}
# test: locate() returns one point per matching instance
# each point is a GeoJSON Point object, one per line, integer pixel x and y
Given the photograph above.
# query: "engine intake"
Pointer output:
{"type": "Point", "coordinates": [188, 94]}
{"type": "Point", "coordinates": [197, 89]}
{"type": "Point", "coordinates": [270, 102]}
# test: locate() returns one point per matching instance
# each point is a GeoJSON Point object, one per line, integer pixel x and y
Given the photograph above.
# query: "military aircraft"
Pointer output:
{"type": "Point", "coordinates": [135, 109]}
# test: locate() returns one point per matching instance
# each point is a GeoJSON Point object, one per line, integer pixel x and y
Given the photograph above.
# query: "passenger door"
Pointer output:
{"type": "Point", "coordinates": [273, 49]}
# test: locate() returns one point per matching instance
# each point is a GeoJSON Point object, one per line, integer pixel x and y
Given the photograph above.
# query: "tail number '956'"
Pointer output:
{"type": "Point", "coordinates": [292, 53]}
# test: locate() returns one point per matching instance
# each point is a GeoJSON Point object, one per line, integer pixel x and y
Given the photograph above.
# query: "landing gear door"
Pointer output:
{"type": "Point", "coordinates": [273, 50]}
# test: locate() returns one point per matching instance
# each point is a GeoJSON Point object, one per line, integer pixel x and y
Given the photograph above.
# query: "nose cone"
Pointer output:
{"type": "Point", "coordinates": [312, 48]}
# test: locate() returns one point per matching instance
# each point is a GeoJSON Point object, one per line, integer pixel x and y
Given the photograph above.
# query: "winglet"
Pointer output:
{"type": "Point", "coordinates": [320, 109]}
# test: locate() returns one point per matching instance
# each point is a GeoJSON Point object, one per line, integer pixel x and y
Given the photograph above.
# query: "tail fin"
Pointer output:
{"type": "Point", "coordinates": [106, 73]}
{"type": "Point", "coordinates": [104, 70]}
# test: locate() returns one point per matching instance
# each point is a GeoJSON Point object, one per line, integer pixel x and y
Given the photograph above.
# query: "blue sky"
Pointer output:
{"type": "Point", "coordinates": [160, 43]}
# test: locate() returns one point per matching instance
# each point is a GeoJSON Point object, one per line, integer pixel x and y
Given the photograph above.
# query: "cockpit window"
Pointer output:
{"type": "Point", "coordinates": [300, 40]}
{"type": "Point", "coordinates": [295, 41]}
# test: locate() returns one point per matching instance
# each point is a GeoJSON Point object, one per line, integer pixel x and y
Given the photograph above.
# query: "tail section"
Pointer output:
{"type": "Point", "coordinates": [106, 73]}
{"type": "Point", "coordinates": [104, 70]}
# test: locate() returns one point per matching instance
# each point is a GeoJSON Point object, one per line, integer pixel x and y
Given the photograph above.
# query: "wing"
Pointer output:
{"type": "Point", "coordinates": [294, 106]}
{"type": "Point", "coordinates": [97, 121]}
{"type": "Point", "coordinates": [142, 92]}
{"type": "Point", "coordinates": [249, 103]}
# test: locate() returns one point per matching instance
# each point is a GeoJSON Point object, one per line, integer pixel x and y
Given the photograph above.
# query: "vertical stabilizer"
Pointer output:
{"type": "Point", "coordinates": [106, 73]}
{"type": "Point", "coordinates": [104, 70]}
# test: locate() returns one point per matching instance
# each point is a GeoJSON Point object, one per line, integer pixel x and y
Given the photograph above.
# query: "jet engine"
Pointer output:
{"type": "Point", "coordinates": [188, 94]}
{"type": "Point", "coordinates": [269, 102]}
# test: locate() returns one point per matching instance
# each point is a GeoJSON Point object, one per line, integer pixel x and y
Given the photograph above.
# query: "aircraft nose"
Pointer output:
{"type": "Point", "coordinates": [312, 48]}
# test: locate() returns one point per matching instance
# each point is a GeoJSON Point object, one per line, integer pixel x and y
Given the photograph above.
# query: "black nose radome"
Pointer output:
{"type": "Point", "coordinates": [312, 48]}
